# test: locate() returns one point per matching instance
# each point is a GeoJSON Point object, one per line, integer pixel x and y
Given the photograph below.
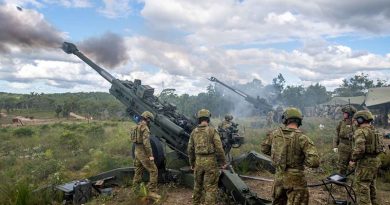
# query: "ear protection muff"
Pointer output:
{"type": "Point", "coordinates": [360, 120]}
{"type": "Point", "coordinates": [283, 119]}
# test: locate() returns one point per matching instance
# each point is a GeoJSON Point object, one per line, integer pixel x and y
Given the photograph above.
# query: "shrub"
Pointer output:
{"type": "Point", "coordinates": [24, 132]}
{"type": "Point", "coordinates": [95, 131]}
{"type": "Point", "coordinates": [22, 193]}
{"type": "Point", "coordinates": [70, 140]}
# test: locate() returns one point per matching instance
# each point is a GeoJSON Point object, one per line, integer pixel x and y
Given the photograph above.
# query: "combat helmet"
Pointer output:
{"type": "Point", "coordinates": [292, 113]}
{"type": "Point", "coordinates": [363, 115]}
{"type": "Point", "coordinates": [147, 115]}
{"type": "Point", "coordinates": [228, 117]}
{"type": "Point", "coordinates": [203, 113]}
{"type": "Point", "coordinates": [349, 109]}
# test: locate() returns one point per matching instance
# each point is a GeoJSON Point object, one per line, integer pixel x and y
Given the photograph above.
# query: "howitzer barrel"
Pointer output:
{"type": "Point", "coordinates": [70, 48]}
{"type": "Point", "coordinates": [214, 79]}
{"type": "Point", "coordinates": [259, 103]}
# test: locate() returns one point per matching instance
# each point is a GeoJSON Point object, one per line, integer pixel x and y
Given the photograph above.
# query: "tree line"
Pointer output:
{"type": "Point", "coordinates": [95, 104]}
{"type": "Point", "coordinates": [216, 98]}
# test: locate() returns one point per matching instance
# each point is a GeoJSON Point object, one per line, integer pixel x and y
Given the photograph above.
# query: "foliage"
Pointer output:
{"type": "Point", "coordinates": [94, 104]}
{"type": "Point", "coordinates": [23, 132]}
{"type": "Point", "coordinates": [358, 85]}
{"type": "Point", "coordinates": [189, 105]}
{"type": "Point", "coordinates": [279, 83]}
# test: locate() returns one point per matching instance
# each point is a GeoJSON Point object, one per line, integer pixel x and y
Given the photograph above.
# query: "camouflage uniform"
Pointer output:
{"type": "Point", "coordinates": [290, 150]}
{"type": "Point", "coordinates": [205, 154]}
{"type": "Point", "coordinates": [270, 118]}
{"type": "Point", "coordinates": [226, 123]}
{"type": "Point", "coordinates": [368, 145]}
{"type": "Point", "coordinates": [343, 141]}
{"type": "Point", "coordinates": [143, 151]}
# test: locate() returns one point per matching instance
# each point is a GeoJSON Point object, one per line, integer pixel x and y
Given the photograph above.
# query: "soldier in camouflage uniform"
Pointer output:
{"type": "Point", "coordinates": [342, 143]}
{"type": "Point", "coordinates": [270, 118]}
{"type": "Point", "coordinates": [205, 155]}
{"type": "Point", "coordinates": [368, 144]}
{"type": "Point", "coordinates": [143, 154]}
{"type": "Point", "coordinates": [227, 122]}
{"type": "Point", "coordinates": [278, 114]}
{"type": "Point", "coordinates": [290, 151]}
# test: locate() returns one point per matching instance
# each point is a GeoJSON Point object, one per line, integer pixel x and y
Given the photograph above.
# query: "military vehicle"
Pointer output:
{"type": "Point", "coordinates": [259, 103]}
{"type": "Point", "coordinates": [169, 128]}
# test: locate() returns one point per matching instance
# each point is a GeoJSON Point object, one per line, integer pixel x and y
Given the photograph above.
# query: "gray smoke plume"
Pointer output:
{"type": "Point", "coordinates": [26, 29]}
{"type": "Point", "coordinates": [108, 49]}
{"type": "Point", "coordinates": [255, 88]}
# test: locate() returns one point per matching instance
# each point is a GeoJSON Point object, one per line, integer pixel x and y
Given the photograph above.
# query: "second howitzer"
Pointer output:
{"type": "Point", "coordinates": [168, 126]}
{"type": "Point", "coordinates": [259, 103]}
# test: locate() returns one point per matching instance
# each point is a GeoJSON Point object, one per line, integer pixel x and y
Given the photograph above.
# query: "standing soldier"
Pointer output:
{"type": "Point", "coordinates": [270, 118]}
{"type": "Point", "coordinates": [227, 122]}
{"type": "Point", "coordinates": [143, 154]}
{"type": "Point", "coordinates": [205, 153]}
{"type": "Point", "coordinates": [368, 144]}
{"type": "Point", "coordinates": [278, 114]}
{"type": "Point", "coordinates": [290, 151]}
{"type": "Point", "coordinates": [342, 143]}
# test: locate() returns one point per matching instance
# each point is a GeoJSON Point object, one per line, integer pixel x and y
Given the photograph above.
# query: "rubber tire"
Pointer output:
{"type": "Point", "coordinates": [158, 152]}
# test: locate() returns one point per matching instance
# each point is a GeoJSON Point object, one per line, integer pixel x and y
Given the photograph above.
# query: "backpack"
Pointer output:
{"type": "Point", "coordinates": [374, 142]}
{"type": "Point", "coordinates": [285, 150]}
{"type": "Point", "coordinates": [135, 135]}
{"type": "Point", "coordinates": [203, 141]}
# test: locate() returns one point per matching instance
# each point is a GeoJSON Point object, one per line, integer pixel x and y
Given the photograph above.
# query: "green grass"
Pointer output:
{"type": "Point", "coordinates": [60, 152]}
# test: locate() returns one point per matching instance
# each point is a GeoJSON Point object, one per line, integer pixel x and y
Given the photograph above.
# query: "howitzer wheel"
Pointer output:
{"type": "Point", "coordinates": [158, 152]}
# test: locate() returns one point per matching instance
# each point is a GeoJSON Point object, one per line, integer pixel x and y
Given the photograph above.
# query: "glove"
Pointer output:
{"type": "Point", "coordinates": [335, 150]}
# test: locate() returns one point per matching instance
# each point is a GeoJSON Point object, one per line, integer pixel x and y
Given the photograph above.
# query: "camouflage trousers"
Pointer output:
{"type": "Point", "coordinates": [206, 180]}
{"type": "Point", "coordinates": [365, 181]}
{"type": "Point", "coordinates": [141, 163]}
{"type": "Point", "coordinates": [344, 151]}
{"type": "Point", "coordinates": [290, 188]}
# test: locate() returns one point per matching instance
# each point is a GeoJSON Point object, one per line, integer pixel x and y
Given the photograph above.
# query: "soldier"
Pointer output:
{"type": "Point", "coordinates": [205, 153]}
{"type": "Point", "coordinates": [290, 150]}
{"type": "Point", "coordinates": [227, 122]}
{"type": "Point", "coordinates": [368, 144]}
{"type": "Point", "coordinates": [278, 114]}
{"type": "Point", "coordinates": [270, 118]}
{"type": "Point", "coordinates": [342, 143]}
{"type": "Point", "coordinates": [143, 154]}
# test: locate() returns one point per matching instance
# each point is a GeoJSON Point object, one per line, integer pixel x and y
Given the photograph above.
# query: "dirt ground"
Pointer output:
{"type": "Point", "coordinates": [318, 195]}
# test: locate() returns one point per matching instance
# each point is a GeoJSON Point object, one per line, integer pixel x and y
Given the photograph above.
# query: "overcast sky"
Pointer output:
{"type": "Point", "coordinates": [180, 43]}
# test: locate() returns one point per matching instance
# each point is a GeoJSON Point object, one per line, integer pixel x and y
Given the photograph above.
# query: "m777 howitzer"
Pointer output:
{"type": "Point", "coordinates": [260, 103]}
{"type": "Point", "coordinates": [170, 128]}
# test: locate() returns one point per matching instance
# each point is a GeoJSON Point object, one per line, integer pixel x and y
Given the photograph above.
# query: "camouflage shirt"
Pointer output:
{"type": "Point", "coordinates": [290, 149]}
{"type": "Point", "coordinates": [225, 124]}
{"type": "Point", "coordinates": [344, 132]}
{"type": "Point", "coordinates": [364, 140]}
{"type": "Point", "coordinates": [205, 140]}
{"type": "Point", "coordinates": [144, 133]}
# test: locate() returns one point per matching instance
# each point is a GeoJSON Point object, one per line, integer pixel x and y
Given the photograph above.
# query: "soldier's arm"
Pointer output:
{"type": "Point", "coordinates": [359, 147]}
{"type": "Point", "coordinates": [267, 144]}
{"type": "Point", "coordinates": [146, 141]}
{"type": "Point", "coordinates": [219, 149]}
{"type": "Point", "coordinates": [312, 159]}
{"type": "Point", "coordinates": [191, 151]}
